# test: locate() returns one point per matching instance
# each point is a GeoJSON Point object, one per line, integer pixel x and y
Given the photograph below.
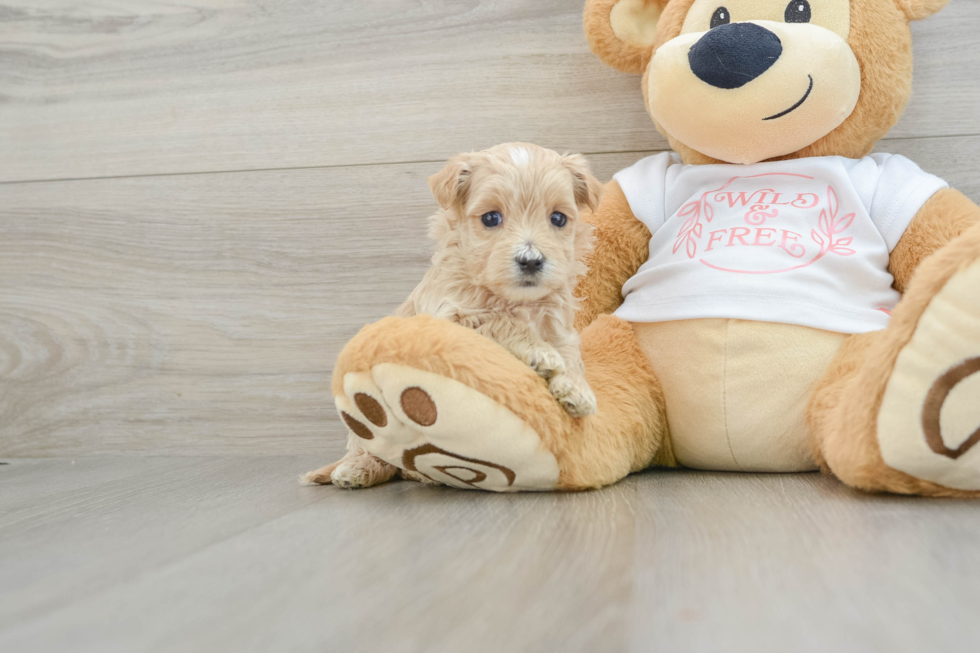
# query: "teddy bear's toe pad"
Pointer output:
{"type": "Point", "coordinates": [929, 421]}
{"type": "Point", "coordinates": [444, 430]}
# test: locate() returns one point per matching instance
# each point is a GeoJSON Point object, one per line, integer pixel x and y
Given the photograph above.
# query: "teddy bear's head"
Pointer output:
{"type": "Point", "coordinates": [743, 81]}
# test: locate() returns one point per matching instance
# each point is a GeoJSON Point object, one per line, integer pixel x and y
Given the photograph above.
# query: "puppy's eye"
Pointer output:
{"type": "Point", "coordinates": [491, 219]}
{"type": "Point", "coordinates": [797, 11]}
{"type": "Point", "coordinates": [558, 219]}
{"type": "Point", "coordinates": [721, 17]}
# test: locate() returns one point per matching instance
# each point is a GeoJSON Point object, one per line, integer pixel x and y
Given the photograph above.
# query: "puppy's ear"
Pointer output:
{"type": "Point", "coordinates": [588, 189]}
{"type": "Point", "coordinates": [450, 184]}
{"type": "Point", "coordinates": [919, 9]}
{"type": "Point", "coordinates": [622, 32]}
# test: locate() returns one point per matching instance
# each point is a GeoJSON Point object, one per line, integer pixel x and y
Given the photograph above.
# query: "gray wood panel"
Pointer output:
{"type": "Point", "coordinates": [148, 87]}
{"type": "Point", "coordinates": [230, 554]}
{"type": "Point", "coordinates": [801, 563]}
{"type": "Point", "coordinates": [202, 314]}
{"type": "Point", "coordinates": [197, 313]}
{"type": "Point", "coordinates": [69, 529]}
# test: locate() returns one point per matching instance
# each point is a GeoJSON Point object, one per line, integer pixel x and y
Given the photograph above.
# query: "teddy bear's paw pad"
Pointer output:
{"type": "Point", "coordinates": [363, 409]}
{"type": "Point", "coordinates": [929, 420]}
{"type": "Point", "coordinates": [418, 406]}
{"type": "Point", "coordinates": [447, 432]}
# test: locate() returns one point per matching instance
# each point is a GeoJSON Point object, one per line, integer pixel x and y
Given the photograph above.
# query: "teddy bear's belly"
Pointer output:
{"type": "Point", "coordinates": [736, 390]}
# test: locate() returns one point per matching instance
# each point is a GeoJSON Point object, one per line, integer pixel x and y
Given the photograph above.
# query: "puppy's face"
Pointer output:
{"type": "Point", "coordinates": [514, 214]}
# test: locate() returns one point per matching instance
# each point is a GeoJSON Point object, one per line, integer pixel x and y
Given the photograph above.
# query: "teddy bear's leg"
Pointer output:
{"type": "Point", "coordinates": [629, 431]}
{"type": "Point", "coordinates": [899, 409]}
{"type": "Point", "coordinates": [444, 402]}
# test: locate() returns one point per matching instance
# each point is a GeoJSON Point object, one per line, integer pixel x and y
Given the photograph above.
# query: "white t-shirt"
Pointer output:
{"type": "Point", "coordinates": [804, 241]}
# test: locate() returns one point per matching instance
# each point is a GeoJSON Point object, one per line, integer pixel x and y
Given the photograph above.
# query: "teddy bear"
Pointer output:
{"type": "Point", "coordinates": [768, 297]}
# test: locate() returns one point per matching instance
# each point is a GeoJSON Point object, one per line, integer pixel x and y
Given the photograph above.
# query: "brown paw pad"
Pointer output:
{"type": "Point", "coordinates": [359, 429]}
{"type": "Point", "coordinates": [371, 409]}
{"type": "Point", "coordinates": [469, 471]}
{"type": "Point", "coordinates": [419, 407]}
{"type": "Point", "coordinates": [933, 406]}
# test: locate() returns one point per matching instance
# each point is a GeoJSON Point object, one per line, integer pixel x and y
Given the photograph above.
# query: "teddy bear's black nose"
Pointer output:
{"type": "Point", "coordinates": [732, 55]}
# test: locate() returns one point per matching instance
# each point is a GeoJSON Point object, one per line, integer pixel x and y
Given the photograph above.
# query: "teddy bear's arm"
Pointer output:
{"type": "Point", "coordinates": [622, 245]}
{"type": "Point", "coordinates": [945, 216]}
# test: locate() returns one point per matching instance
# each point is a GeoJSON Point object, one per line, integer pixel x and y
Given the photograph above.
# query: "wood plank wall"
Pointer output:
{"type": "Point", "coordinates": [201, 201]}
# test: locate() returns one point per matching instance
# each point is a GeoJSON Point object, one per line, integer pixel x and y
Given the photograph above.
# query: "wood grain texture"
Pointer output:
{"type": "Point", "coordinates": [202, 314]}
{"type": "Point", "coordinates": [816, 566]}
{"type": "Point", "coordinates": [197, 313]}
{"type": "Point", "coordinates": [229, 554]}
{"type": "Point", "coordinates": [71, 528]}
{"type": "Point", "coordinates": [153, 86]}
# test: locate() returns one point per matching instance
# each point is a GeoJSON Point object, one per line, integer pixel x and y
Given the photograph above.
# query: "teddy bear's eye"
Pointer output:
{"type": "Point", "coordinates": [797, 11]}
{"type": "Point", "coordinates": [491, 219]}
{"type": "Point", "coordinates": [558, 219]}
{"type": "Point", "coordinates": [720, 17]}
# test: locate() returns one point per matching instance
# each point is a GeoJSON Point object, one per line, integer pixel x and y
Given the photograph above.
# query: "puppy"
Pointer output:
{"type": "Point", "coordinates": [511, 245]}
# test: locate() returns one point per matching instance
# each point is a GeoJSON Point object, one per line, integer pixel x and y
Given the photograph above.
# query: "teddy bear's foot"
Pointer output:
{"type": "Point", "coordinates": [435, 427]}
{"type": "Point", "coordinates": [445, 404]}
{"type": "Point", "coordinates": [442, 431]}
{"type": "Point", "coordinates": [899, 409]}
{"type": "Point", "coordinates": [929, 422]}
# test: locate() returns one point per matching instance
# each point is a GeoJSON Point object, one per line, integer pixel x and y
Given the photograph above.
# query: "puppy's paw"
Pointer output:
{"type": "Point", "coordinates": [350, 475]}
{"type": "Point", "coordinates": [361, 470]}
{"type": "Point", "coordinates": [575, 395]}
{"type": "Point", "coordinates": [547, 362]}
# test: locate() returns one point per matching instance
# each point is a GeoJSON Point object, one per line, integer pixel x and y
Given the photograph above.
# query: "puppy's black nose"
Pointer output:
{"type": "Point", "coordinates": [530, 264]}
{"type": "Point", "coordinates": [732, 55]}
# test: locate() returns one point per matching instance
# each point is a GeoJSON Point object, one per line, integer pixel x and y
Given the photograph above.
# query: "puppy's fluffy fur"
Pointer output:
{"type": "Point", "coordinates": [513, 281]}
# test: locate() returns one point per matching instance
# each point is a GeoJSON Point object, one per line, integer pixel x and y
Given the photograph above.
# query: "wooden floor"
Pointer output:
{"type": "Point", "coordinates": [202, 200]}
{"type": "Point", "coordinates": [228, 553]}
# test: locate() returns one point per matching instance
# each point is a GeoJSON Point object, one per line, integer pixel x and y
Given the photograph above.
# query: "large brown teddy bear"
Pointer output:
{"type": "Point", "coordinates": [769, 298]}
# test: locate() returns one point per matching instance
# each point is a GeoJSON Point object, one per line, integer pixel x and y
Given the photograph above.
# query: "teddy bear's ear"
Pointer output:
{"type": "Point", "coordinates": [588, 189]}
{"type": "Point", "coordinates": [622, 32]}
{"type": "Point", "coordinates": [449, 185]}
{"type": "Point", "coordinates": [919, 9]}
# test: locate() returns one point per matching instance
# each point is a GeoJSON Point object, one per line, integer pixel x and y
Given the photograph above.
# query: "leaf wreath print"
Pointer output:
{"type": "Point", "coordinates": [691, 228]}
{"type": "Point", "coordinates": [830, 225]}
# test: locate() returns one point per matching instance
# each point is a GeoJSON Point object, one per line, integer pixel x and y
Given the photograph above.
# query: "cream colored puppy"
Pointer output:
{"type": "Point", "coordinates": [510, 246]}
